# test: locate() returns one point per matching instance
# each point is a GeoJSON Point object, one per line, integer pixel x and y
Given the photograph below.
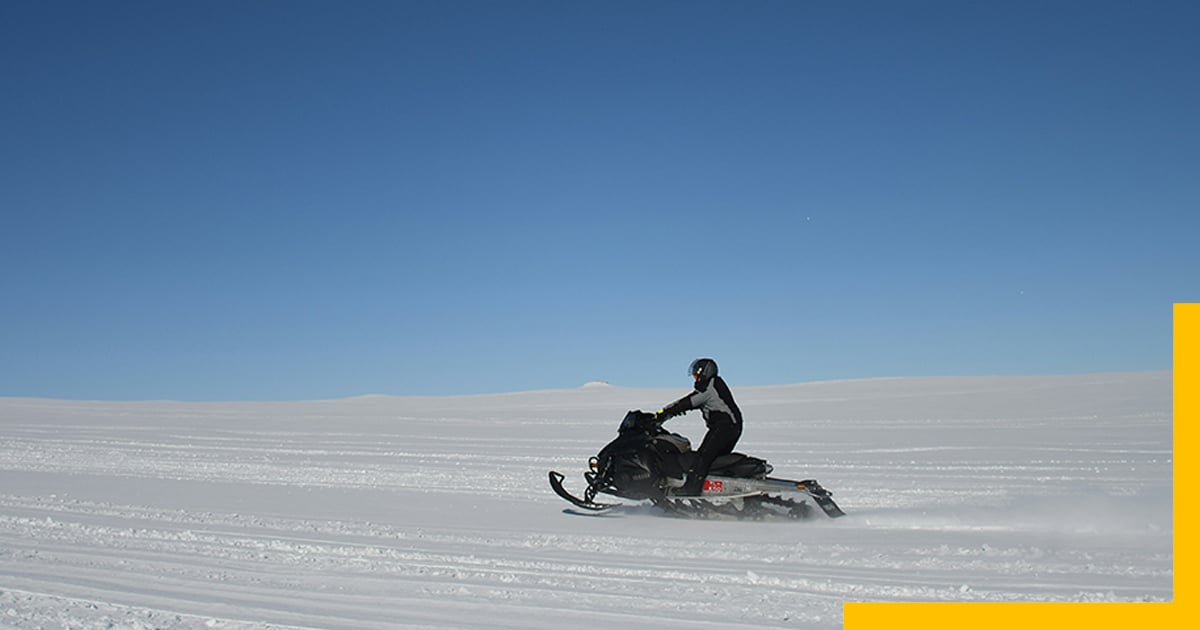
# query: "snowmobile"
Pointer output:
{"type": "Point", "coordinates": [647, 462]}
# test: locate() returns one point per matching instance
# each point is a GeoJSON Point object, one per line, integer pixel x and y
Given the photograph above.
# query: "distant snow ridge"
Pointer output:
{"type": "Point", "coordinates": [596, 384]}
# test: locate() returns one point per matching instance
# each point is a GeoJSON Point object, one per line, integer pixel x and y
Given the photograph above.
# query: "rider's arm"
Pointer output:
{"type": "Point", "coordinates": [694, 400]}
{"type": "Point", "coordinates": [674, 409]}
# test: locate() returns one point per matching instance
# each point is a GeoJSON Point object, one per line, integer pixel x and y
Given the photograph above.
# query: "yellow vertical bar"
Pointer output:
{"type": "Point", "coordinates": [1187, 415]}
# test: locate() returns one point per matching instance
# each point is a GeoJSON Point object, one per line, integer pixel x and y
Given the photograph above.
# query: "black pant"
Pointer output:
{"type": "Point", "coordinates": [719, 440]}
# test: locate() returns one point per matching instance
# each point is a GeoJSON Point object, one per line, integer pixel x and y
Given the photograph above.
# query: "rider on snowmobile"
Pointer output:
{"type": "Point", "coordinates": [721, 416]}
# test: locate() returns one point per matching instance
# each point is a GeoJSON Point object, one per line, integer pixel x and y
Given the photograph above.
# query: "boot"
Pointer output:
{"type": "Point", "coordinates": [693, 486]}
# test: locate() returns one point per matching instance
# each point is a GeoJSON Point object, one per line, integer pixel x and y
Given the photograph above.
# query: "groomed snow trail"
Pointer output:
{"type": "Point", "coordinates": [381, 512]}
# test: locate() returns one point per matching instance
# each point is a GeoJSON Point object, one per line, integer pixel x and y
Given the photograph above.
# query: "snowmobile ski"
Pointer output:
{"type": "Point", "coordinates": [556, 479]}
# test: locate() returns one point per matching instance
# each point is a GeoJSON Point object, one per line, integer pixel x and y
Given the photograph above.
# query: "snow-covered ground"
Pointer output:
{"type": "Point", "coordinates": [384, 512]}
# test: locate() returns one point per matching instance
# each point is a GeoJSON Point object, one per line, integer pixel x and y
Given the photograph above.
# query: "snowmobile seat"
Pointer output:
{"type": "Point", "coordinates": [740, 465]}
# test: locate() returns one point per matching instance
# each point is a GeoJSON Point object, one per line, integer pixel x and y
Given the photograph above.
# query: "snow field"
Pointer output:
{"type": "Point", "coordinates": [383, 512]}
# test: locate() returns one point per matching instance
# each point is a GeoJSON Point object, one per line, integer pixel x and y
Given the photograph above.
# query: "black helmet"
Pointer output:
{"type": "Point", "coordinates": [703, 369]}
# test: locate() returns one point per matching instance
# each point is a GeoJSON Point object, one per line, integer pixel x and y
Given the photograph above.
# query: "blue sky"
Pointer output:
{"type": "Point", "coordinates": [293, 200]}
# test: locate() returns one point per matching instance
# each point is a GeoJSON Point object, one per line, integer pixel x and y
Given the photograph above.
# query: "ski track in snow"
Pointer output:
{"type": "Point", "coordinates": [379, 512]}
